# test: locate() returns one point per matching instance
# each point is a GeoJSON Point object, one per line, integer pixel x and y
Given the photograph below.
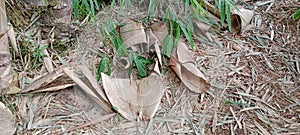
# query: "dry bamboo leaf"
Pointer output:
{"type": "Point", "coordinates": [245, 15]}
{"type": "Point", "coordinates": [43, 81]}
{"type": "Point", "coordinates": [5, 63]}
{"type": "Point", "coordinates": [261, 128]}
{"type": "Point", "coordinates": [87, 90]}
{"type": "Point", "coordinates": [93, 81]}
{"type": "Point", "coordinates": [7, 88]}
{"type": "Point", "coordinates": [236, 119]}
{"type": "Point", "coordinates": [183, 65]}
{"type": "Point", "coordinates": [154, 42]}
{"type": "Point", "coordinates": [160, 30]}
{"type": "Point", "coordinates": [156, 68]}
{"type": "Point", "coordinates": [7, 121]}
{"type": "Point", "coordinates": [201, 27]}
{"type": "Point", "coordinates": [182, 62]}
{"type": "Point", "coordinates": [133, 34]}
{"type": "Point", "coordinates": [103, 118]}
{"type": "Point", "coordinates": [136, 99]}
{"type": "Point", "coordinates": [12, 38]}
{"type": "Point", "coordinates": [55, 88]}
{"type": "Point", "coordinates": [47, 60]}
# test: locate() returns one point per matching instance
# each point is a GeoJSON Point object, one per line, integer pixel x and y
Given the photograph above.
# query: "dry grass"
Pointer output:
{"type": "Point", "coordinates": [255, 88]}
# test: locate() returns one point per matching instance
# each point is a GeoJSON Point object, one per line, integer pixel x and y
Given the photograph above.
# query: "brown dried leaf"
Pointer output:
{"type": "Point", "coordinates": [245, 15]}
{"type": "Point", "coordinates": [43, 81]}
{"type": "Point", "coordinates": [87, 89]}
{"type": "Point", "coordinates": [182, 62]}
{"type": "Point", "coordinates": [12, 38]}
{"type": "Point", "coordinates": [7, 121]}
{"type": "Point", "coordinates": [132, 33]}
{"type": "Point", "coordinates": [47, 60]}
{"type": "Point", "coordinates": [136, 99]}
{"type": "Point", "coordinates": [5, 63]}
{"type": "Point", "coordinates": [154, 45]}
{"type": "Point", "coordinates": [7, 88]}
{"type": "Point", "coordinates": [98, 90]}
{"type": "Point", "coordinates": [160, 30]}
{"type": "Point", "coordinates": [184, 66]}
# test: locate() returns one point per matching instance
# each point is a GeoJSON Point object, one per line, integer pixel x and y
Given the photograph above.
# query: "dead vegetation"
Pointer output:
{"type": "Point", "coordinates": [254, 78]}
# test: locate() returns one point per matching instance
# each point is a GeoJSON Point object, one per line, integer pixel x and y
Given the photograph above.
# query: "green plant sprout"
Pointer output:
{"type": "Point", "coordinates": [38, 55]}
{"type": "Point", "coordinates": [140, 62]}
{"type": "Point", "coordinates": [110, 30]}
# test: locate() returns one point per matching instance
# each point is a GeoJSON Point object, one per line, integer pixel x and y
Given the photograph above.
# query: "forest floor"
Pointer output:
{"type": "Point", "coordinates": [254, 77]}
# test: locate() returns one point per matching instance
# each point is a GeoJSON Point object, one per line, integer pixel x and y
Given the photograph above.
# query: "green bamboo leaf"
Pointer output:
{"type": "Point", "coordinates": [223, 12]}
{"type": "Point", "coordinates": [187, 34]}
{"type": "Point", "coordinates": [228, 18]}
{"type": "Point", "coordinates": [112, 4]}
{"type": "Point", "coordinates": [186, 7]}
{"type": "Point", "coordinates": [75, 5]}
{"type": "Point", "coordinates": [144, 60]}
{"type": "Point", "coordinates": [151, 8]}
{"type": "Point", "coordinates": [115, 109]}
{"type": "Point", "coordinates": [86, 4]}
{"type": "Point", "coordinates": [92, 8]}
{"type": "Point", "coordinates": [141, 68]}
{"type": "Point", "coordinates": [137, 60]}
{"type": "Point", "coordinates": [131, 59]}
{"type": "Point", "coordinates": [296, 15]}
{"type": "Point", "coordinates": [190, 25]}
{"type": "Point", "coordinates": [166, 43]}
{"type": "Point", "coordinates": [177, 32]}
{"type": "Point", "coordinates": [44, 47]}
{"type": "Point", "coordinates": [97, 5]}
{"type": "Point", "coordinates": [108, 67]}
{"type": "Point", "coordinates": [101, 67]}
{"type": "Point", "coordinates": [119, 46]}
{"type": "Point", "coordinates": [196, 5]}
